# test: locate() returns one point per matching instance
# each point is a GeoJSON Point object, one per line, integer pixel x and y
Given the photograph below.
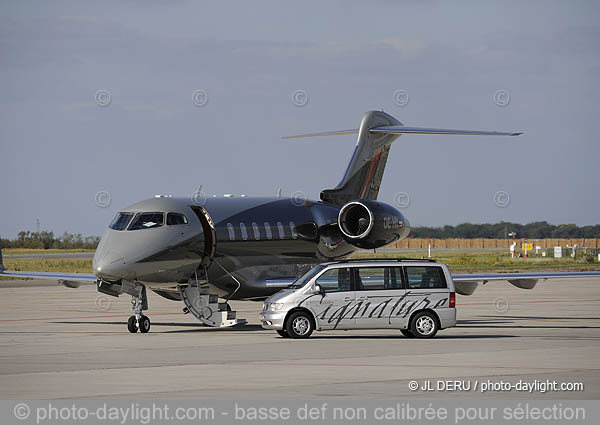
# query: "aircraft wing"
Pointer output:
{"type": "Point", "coordinates": [71, 280]}
{"type": "Point", "coordinates": [466, 284]}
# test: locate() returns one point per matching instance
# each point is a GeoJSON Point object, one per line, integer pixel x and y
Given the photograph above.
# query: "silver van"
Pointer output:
{"type": "Point", "coordinates": [415, 296]}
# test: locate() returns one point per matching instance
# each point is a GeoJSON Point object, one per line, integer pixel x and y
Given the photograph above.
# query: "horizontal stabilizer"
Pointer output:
{"type": "Point", "coordinates": [325, 133]}
{"type": "Point", "coordinates": [376, 133]}
{"type": "Point", "coordinates": [401, 129]}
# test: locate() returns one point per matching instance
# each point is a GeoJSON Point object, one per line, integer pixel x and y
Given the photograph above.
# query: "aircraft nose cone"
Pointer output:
{"type": "Point", "coordinates": [109, 267]}
{"type": "Point", "coordinates": [108, 263]}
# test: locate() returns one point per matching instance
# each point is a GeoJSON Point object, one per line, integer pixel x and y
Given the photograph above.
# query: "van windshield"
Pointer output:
{"type": "Point", "coordinates": [301, 281]}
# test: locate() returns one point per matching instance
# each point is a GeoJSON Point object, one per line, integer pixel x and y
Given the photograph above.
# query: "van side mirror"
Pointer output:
{"type": "Point", "coordinates": [319, 289]}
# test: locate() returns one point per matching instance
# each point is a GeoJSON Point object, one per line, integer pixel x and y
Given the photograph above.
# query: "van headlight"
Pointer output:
{"type": "Point", "coordinates": [272, 306]}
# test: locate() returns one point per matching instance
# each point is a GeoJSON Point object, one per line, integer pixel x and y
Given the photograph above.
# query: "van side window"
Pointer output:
{"type": "Point", "coordinates": [244, 231]}
{"type": "Point", "coordinates": [378, 278]}
{"type": "Point", "coordinates": [335, 280]}
{"type": "Point", "coordinates": [428, 277]}
{"type": "Point", "coordinates": [268, 230]}
{"type": "Point", "coordinates": [256, 231]}
{"type": "Point", "coordinates": [231, 231]}
{"type": "Point", "coordinates": [293, 230]}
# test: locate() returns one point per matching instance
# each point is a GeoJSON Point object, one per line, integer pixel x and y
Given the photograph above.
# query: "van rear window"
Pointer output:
{"type": "Point", "coordinates": [427, 277]}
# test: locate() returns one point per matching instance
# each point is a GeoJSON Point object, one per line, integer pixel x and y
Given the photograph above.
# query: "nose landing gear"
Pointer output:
{"type": "Point", "coordinates": [138, 320]}
{"type": "Point", "coordinates": [143, 324]}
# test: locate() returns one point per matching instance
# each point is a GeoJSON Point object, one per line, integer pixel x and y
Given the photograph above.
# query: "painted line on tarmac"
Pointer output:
{"type": "Point", "coordinates": [531, 302]}
{"type": "Point", "coordinates": [105, 316]}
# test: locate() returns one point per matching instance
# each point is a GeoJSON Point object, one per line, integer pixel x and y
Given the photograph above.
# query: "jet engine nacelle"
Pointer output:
{"type": "Point", "coordinates": [371, 224]}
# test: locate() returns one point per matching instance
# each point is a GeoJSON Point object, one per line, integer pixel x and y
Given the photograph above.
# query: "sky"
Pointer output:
{"type": "Point", "coordinates": [106, 103]}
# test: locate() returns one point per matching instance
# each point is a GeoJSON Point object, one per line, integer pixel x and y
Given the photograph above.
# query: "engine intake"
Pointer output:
{"type": "Point", "coordinates": [371, 224]}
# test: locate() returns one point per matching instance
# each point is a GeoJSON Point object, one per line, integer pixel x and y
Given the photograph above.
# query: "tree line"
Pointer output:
{"type": "Point", "coordinates": [536, 230]}
{"type": "Point", "coordinates": [47, 240]}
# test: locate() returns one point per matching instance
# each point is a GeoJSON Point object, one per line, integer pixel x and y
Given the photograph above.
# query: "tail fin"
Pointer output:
{"type": "Point", "coordinates": [376, 134]}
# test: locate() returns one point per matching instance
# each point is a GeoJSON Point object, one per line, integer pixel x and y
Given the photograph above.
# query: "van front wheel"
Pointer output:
{"type": "Point", "coordinates": [299, 325]}
{"type": "Point", "coordinates": [424, 325]}
{"type": "Point", "coordinates": [283, 333]}
{"type": "Point", "coordinates": [407, 333]}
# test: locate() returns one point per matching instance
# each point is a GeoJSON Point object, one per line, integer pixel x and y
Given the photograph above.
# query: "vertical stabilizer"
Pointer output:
{"type": "Point", "coordinates": [365, 171]}
{"type": "Point", "coordinates": [376, 134]}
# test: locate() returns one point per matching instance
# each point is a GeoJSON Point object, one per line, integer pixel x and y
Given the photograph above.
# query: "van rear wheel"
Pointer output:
{"type": "Point", "coordinates": [299, 325]}
{"type": "Point", "coordinates": [424, 325]}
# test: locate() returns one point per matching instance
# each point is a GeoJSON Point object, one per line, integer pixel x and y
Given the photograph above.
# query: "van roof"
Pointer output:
{"type": "Point", "coordinates": [382, 260]}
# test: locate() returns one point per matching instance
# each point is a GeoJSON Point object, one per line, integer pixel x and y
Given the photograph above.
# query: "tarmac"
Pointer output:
{"type": "Point", "coordinates": [57, 342]}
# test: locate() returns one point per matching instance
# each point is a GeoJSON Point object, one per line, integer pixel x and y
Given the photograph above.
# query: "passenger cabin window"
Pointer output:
{"type": "Point", "coordinates": [147, 221]}
{"type": "Point", "coordinates": [281, 230]}
{"type": "Point", "coordinates": [256, 231]}
{"type": "Point", "coordinates": [293, 229]}
{"type": "Point", "coordinates": [120, 221]}
{"type": "Point", "coordinates": [244, 231]}
{"type": "Point", "coordinates": [231, 231]}
{"type": "Point", "coordinates": [335, 280]}
{"type": "Point", "coordinates": [428, 277]}
{"type": "Point", "coordinates": [268, 230]}
{"type": "Point", "coordinates": [174, 219]}
{"type": "Point", "coordinates": [378, 278]}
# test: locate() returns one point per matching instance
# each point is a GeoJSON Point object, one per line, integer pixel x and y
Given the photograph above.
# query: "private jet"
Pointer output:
{"type": "Point", "coordinates": [206, 251]}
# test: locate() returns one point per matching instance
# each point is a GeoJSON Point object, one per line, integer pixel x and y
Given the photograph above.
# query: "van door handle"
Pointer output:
{"type": "Point", "coordinates": [362, 298]}
{"type": "Point", "coordinates": [348, 299]}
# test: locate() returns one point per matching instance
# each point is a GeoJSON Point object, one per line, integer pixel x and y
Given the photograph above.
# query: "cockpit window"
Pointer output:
{"type": "Point", "coordinates": [120, 221]}
{"type": "Point", "coordinates": [174, 219]}
{"type": "Point", "coordinates": [147, 221]}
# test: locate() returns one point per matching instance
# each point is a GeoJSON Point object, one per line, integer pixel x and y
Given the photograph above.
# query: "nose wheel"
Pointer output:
{"type": "Point", "coordinates": [143, 324]}
{"type": "Point", "coordinates": [138, 321]}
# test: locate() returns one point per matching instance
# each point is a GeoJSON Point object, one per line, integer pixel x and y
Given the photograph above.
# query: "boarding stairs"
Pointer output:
{"type": "Point", "coordinates": [207, 308]}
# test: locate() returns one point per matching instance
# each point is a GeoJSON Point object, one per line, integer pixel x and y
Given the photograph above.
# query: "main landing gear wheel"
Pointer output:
{"type": "Point", "coordinates": [132, 324]}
